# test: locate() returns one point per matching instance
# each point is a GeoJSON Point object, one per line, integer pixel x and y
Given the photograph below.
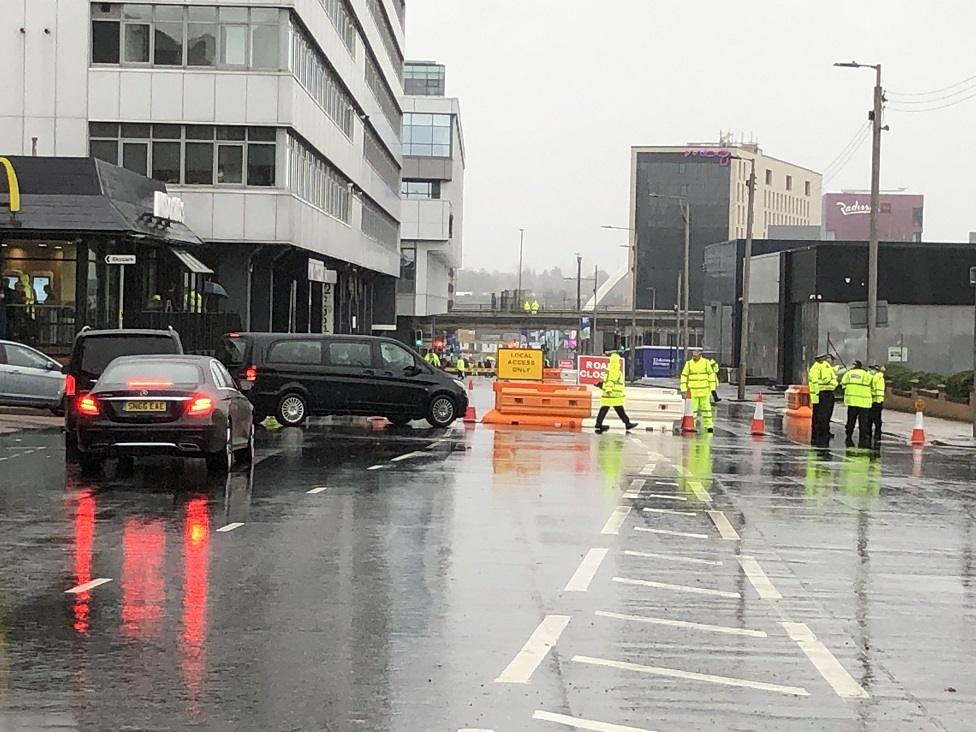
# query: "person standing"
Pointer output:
{"type": "Point", "coordinates": [822, 380]}
{"type": "Point", "coordinates": [713, 365]}
{"type": "Point", "coordinates": [432, 358]}
{"type": "Point", "coordinates": [613, 395]}
{"type": "Point", "coordinates": [697, 380]}
{"type": "Point", "coordinates": [877, 405]}
{"type": "Point", "coordinates": [858, 397]}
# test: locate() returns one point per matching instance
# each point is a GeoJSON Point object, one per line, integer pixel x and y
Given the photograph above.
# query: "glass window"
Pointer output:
{"type": "Point", "coordinates": [769, 177]}
{"type": "Point", "coordinates": [264, 134]}
{"type": "Point", "coordinates": [26, 358]}
{"type": "Point", "coordinates": [199, 132]}
{"type": "Point", "coordinates": [230, 163]}
{"type": "Point", "coordinates": [201, 45]}
{"type": "Point", "coordinates": [104, 129]}
{"type": "Point", "coordinates": [139, 131]}
{"type": "Point", "coordinates": [150, 373]}
{"type": "Point", "coordinates": [166, 132]}
{"type": "Point", "coordinates": [131, 11]}
{"type": "Point", "coordinates": [166, 162]}
{"type": "Point", "coordinates": [233, 44]}
{"type": "Point", "coordinates": [202, 13]}
{"type": "Point", "coordinates": [135, 157]}
{"type": "Point", "coordinates": [199, 163]}
{"type": "Point", "coordinates": [107, 150]}
{"type": "Point", "coordinates": [264, 47]}
{"type": "Point", "coordinates": [806, 187]}
{"type": "Point", "coordinates": [395, 358]}
{"type": "Point", "coordinates": [231, 133]}
{"type": "Point", "coordinates": [308, 353]}
{"type": "Point", "coordinates": [169, 44]}
{"type": "Point", "coordinates": [408, 269]}
{"type": "Point", "coordinates": [260, 165]}
{"type": "Point", "coordinates": [105, 42]}
{"type": "Point", "coordinates": [264, 15]}
{"type": "Point", "coordinates": [352, 354]}
{"type": "Point", "coordinates": [172, 13]}
{"type": "Point", "coordinates": [233, 15]}
{"type": "Point", "coordinates": [136, 43]}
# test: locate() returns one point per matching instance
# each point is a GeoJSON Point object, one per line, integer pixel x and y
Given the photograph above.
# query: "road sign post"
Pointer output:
{"type": "Point", "coordinates": [120, 261]}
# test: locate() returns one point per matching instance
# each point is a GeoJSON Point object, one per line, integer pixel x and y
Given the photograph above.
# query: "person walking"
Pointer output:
{"type": "Point", "coordinates": [822, 380]}
{"type": "Point", "coordinates": [858, 397]}
{"type": "Point", "coordinates": [432, 358]}
{"type": "Point", "coordinates": [697, 383]}
{"type": "Point", "coordinates": [877, 405]}
{"type": "Point", "coordinates": [461, 366]}
{"type": "Point", "coordinates": [613, 395]}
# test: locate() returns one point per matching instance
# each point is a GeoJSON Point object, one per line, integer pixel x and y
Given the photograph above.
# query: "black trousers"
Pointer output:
{"type": "Point", "coordinates": [860, 416]}
{"type": "Point", "coordinates": [601, 415]}
{"type": "Point", "coordinates": [823, 412]}
{"type": "Point", "coordinates": [874, 422]}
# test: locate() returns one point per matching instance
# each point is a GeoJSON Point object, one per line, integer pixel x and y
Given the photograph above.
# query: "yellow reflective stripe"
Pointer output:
{"type": "Point", "coordinates": [12, 185]}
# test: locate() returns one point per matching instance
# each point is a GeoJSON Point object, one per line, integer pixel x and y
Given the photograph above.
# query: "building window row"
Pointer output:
{"type": "Point", "coordinates": [177, 35]}
{"type": "Point", "coordinates": [427, 134]}
{"type": "Point", "coordinates": [380, 159]}
{"type": "Point", "coordinates": [387, 101]}
{"type": "Point", "coordinates": [342, 18]}
{"type": "Point", "coordinates": [807, 185]}
{"type": "Point", "coordinates": [188, 154]}
{"type": "Point", "coordinates": [428, 80]}
{"type": "Point", "coordinates": [386, 35]}
{"type": "Point", "coordinates": [314, 180]}
{"type": "Point", "coordinates": [314, 73]}
{"type": "Point", "coordinates": [379, 225]}
{"type": "Point", "coordinates": [420, 189]}
{"type": "Point", "coordinates": [408, 268]}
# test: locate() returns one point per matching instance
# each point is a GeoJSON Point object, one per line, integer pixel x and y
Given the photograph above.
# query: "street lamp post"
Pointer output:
{"type": "Point", "coordinates": [518, 291]}
{"type": "Point", "coordinates": [746, 275]}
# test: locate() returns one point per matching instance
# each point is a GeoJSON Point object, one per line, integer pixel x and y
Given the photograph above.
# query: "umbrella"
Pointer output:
{"type": "Point", "coordinates": [214, 289]}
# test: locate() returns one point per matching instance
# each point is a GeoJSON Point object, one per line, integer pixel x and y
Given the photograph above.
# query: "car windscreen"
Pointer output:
{"type": "Point", "coordinates": [151, 374]}
{"type": "Point", "coordinates": [230, 351]}
{"type": "Point", "coordinates": [97, 352]}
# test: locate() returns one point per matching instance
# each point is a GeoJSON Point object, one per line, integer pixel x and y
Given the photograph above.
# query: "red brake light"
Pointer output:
{"type": "Point", "coordinates": [70, 385]}
{"type": "Point", "coordinates": [200, 406]}
{"type": "Point", "coordinates": [88, 405]}
{"type": "Point", "coordinates": [233, 335]}
{"type": "Point", "coordinates": [251, 373]}
{"type": "Point", "coordinates": [147, 384]}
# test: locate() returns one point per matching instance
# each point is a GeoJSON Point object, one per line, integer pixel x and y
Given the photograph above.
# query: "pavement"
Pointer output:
{"type": "Point", "coordinates": [492, 579]}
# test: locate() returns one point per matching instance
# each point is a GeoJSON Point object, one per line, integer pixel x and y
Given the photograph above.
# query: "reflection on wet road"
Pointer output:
{"type": "Point", "coordinates": [413, 579]}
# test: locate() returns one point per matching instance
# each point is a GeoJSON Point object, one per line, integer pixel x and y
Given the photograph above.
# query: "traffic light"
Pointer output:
{"type": "Point", "coordinates": [438, 343]}
{"type": "Point", "coordinates": [418, 338]}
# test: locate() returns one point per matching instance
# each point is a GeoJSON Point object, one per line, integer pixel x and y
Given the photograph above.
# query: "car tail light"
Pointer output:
{"type": "Point", "coordinates": [88, 406]}
{"type": "Point", "coordinates": [148, 384]}
{"type": "Point", "coordinates": [251, 374]}
{"type": "Point", "coordinates": [200, 406]}
{"type": "Point", "coordinates": [70, 385]}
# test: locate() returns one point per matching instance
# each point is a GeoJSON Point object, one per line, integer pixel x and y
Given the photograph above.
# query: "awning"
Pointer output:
{"type": "Point", "coordinates": [192, 263]}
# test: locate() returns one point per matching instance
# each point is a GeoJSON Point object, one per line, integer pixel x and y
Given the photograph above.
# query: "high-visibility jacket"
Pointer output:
{"type": "Point", "coordinates": [698, 377]}
{"type": "Point", "coordinates": [713, 365]}
{"type": "Point", "coordinates": [535, 307]}
{"type": "Point", "coordinates": [821, 377]}
{"type": "Point", "coordinates": [527, 306]}
{"type": "Point", "coordinates": [433, 359]}
{"type": "Point", "coordinates": [857, 385]}
{"type": "Point", "coordinates": [460, 365]}
{"type": "Point", "coordinates": [878, 387]}
{"type": "Point", "coordinates": [613, 385]}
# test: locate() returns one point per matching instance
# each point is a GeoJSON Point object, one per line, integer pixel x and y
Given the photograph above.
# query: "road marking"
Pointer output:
{"type": "Point", "coordinates": [616, 520]}
{"type": "Point", "coordinates": [636, 485]}
{"type": "Point", "coordinates": [670, 511]}
{"type": "Point", "coordinates": [527, 660]}
{"type": "Point", "coordinates": [671, 533]}
{"type": "Point", "coordinates": [693, 676]}
{"type": "Point", "coordinates": [649, 469]}
{"type": "Point", "coordinates": [318, 489]}
{"type": "Point", "coordinates": [684, 624]}
{"type": "Point", "coordinates": [699, 490]}
{"type": "Point", "coordinates": [580, 581]}
{"type": "Point", "coordinates": [665, 482]}
{"type": "Point", "coordinates": [665, 496]}
{"type": "Point", "coordinates": [231, 526]}
{"type": "Point", "coordinates": [374, 467]}
{"type": "Point", "coordinates": [2, 459]}
{"type": "Point", "coordinates": [758, 578]}
{"type": "Point", "coordinates": [580, 723]}
{"type": "Point", "coordinates": [725, 529]}
{"type": "Point", "coordinates": [414, 454]}
{"type": "Point", "coordinates": [677, 588]}
{"type": "Point", "coordinates": [87, 586]}
{"type": "Point", "coordinates": [673, 558]}
{"type": "Point", "coordinates": [825, 662]}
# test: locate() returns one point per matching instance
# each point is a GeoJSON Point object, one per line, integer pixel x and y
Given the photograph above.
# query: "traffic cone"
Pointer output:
{"type": "Point", "coordinates": [918, 434]}
{"type": "Point", "coordinates": [688, 418]}
{"type": "Point", "coordinates": [758, 418]}
{"type": "Point", "coordinates": [377, 423]}
{"type": "Point", "coordinates": [470, 415]}
{"type": "Point", "coordinates": [470, 384]}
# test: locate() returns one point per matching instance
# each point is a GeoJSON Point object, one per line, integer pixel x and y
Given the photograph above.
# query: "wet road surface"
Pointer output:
{"type": "Point", "coordinates": [480, 579]}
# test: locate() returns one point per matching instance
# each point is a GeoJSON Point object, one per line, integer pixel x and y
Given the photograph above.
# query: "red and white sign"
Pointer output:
{"type": "Point", "coordinates": [593, 369]}
{"type": "Point", "coordinates": [566, 363]}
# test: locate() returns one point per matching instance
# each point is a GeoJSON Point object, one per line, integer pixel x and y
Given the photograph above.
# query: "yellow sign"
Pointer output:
{"type": "Point", "coordinates": [12, 185]}
{"type": "Point", "coordinates": [520, 363]}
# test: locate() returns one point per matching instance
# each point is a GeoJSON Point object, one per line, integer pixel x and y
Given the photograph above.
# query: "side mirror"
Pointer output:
{"type": "Point", "coordinates": [55, 366]}
{"type": "Point", "coordinates": [64, 369]}
{"type": "Point", "coordinates": [412, 370]}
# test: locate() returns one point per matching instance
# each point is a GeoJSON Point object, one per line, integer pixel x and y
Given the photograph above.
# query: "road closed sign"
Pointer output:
{"type": "Point", "coordinates": [520, 363]}
{"type": "Point", "coordinates": [593, 369]}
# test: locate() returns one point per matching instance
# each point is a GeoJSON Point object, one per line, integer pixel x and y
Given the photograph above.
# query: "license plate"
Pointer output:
{"type": "Point", "coordinates": [144, 407]}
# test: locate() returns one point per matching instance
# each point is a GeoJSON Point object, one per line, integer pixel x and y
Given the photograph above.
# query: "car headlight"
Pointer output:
{"type": "Point", "coordinates": [459, 383]}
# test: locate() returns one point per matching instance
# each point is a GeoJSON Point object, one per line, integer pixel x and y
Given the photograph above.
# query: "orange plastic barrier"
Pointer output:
{"type": "Point", "coordinates": [539, 405]}
{"type": "Point", "coordinates": [798, 402]}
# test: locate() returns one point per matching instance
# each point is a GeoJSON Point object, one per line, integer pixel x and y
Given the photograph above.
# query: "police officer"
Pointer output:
{"type": "Point", "coordinates": [460, 365]}
{"type": "Point", "coordinates": [432, 358]}
{"type": "Point", "coordinates": [697, 384]}
{"type": "Point", "coordinates": [858, 396]}
{"type": "Point", "coordinates": [877, 405]}
{"type": "Point", "coordinates": [613, 395]}
{"type": "Point", "coordinates": [822, 380]}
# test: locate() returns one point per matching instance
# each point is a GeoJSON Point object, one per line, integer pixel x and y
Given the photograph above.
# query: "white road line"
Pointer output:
{"type": "Point", "coordinates": [693, 676]}
{"type": "Point", "coordinates": [673, 558]}
{"type": "Point", "coordinates": [758, 578]}
{"type": "Point", "coordinates": [318, 489]}
{"type": "Point", "coordinates": [665, 496]}
{"type": "Point", "coordinates": [725, 529]}
{"type": "Point", "coordinates": [825, 662]}
{"type": "Point", "coordinates": [677, 588]}
{"type": "Point", "coordinates": [699, 490]}
{"type": "Point", "coordinates": [649, 469]}
{"type": "Point", "coordinates": [527, 660]}
{"type": "Point", "coordinates": [87, 586]}
{"type": "Point", "coordinates": [666, 482]}
{"type": "Point", "coordinates": [616, 520]}
{"type": "Point", "coordinates": [2, 459]}
{"type": "Point", "coordinates": [414, 454]}
{"type": "Point", "coordinates": [374, 467]}
{"type": "Point", "coordinates": [684, 624]}
{"type": "Point", "coordinates": [666, 532]}
{"type": "Point", "coordinates": [580, 723]}
{"type": "Point", "coordinates": [636, 485]}
{"type": "Point", "coordinates": [580, 581]}
{"type": "Point", "coordinates": [230, 527]}
{"type": "Point", "coordinates": [670, 511]}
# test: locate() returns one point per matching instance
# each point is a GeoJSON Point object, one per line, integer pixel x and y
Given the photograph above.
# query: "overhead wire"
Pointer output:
{"type": "Point", "coordinates": [851, 150]}
{"type": "Point", "coordinates": [853, 141]}
{"type": "Point", "coordinates": [931, 92]}
{"type": "Point", "coordinates": [896, 108]}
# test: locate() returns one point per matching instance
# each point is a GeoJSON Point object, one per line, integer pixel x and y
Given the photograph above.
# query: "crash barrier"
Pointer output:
{"type": "Point", "coordinates": [798, 402]}
{"type": "Point", "coordinates": [527, 403]}
{"type": "Point", "coordinates": [654, 408]}
{"type": "Point", "coordinates": [559, 376]}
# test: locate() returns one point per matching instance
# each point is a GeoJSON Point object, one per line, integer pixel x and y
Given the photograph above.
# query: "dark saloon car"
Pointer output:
{"type": "Point", "coordinates": [165, 405]}
{"type": "Point", "coordinates": [293, 376]}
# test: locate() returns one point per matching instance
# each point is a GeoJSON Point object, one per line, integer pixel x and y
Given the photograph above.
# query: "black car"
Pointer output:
{"type": "Point", "coordinates": [165, 405]}
{"type": "Point", "coordinates": [93, 350]}
{"type": "Point", "coordinates": [293, 376]}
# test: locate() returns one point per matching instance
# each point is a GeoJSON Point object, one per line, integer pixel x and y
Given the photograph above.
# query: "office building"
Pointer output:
{"type": "Point", "coordinates": [712, 178]}
{"type": "Point", "coordinates": [847, 216]}
{"type": "Point", "coordinates": [278, 125]}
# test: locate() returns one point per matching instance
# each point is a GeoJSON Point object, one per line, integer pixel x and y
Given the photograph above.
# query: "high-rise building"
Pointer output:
{"type": "Point", "coordinates": [847, 216]}
{"type": "Point", "coordinates": [433, 194]}
{"type": "Point", "coordinates": [712, 179]}
{"type": "Point", "coordinates": [277, 124]}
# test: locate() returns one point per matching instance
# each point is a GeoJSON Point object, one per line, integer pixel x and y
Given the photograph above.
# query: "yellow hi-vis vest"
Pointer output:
{"type": "Point", "coordinates": [878, 387]}
{"type": "Point", "coordinates": [857, 385]}
{"type": "Point", "coordinates": [698, 377]}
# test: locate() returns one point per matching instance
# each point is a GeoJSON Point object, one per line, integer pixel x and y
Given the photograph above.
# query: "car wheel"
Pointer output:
{"type": "Point", "coordinates": [90, 463]}
{"type": "Point", "coordinates": [222, 460]}
{"type": "Point", "coordinates": [246, 454]}
{"type": "Point", "coordinates": [292, 409]}
{"type": "Point", "coordinates": [442, 411]}
{"type": "Point", "coordinates": [400, 421]}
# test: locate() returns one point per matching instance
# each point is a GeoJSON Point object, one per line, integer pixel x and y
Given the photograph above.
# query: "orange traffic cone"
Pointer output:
{"type": "Point", "coordinates": [758, 419]}
{"type": "Point", "coordinates": [470, 416]}
{"type": "Point", "coordinates": [688, 418]}
{"type": "Point", "coordinates": [470, 384]}
{"type": "Point", "coordinates": [918, 434]}
{"type": "Point", "coordinates": [377, 423]}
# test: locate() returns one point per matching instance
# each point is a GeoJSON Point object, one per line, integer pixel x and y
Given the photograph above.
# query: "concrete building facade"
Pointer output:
{"type": "Point", "coordinates": [847, 216]}
{"type": "Point", "coordinates": [277, 123]}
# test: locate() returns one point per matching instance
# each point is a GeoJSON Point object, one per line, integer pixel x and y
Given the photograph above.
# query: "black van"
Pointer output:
{"type": "Point", "coordinates": [293, 376]}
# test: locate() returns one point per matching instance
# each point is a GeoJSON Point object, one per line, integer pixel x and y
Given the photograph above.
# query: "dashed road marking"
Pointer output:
{"type": "Point", "coordinates": [414, 454]}
{"type": "Point", "coordinates": [87, 586]}
{"type": "Point", "coordinates": [616, 520]}
{"type": "Point", "coordinates": [666, 482]}
{"type": "Point", "coordinates": [527, 660]}
{"type": "Point", "coordinates": [667, 532]}
{"type": "Point", "coordinates": [374, 467]}
{"type": "Point", "coordinates": [673, 558]}
{"type": "Point", "coordinates": [588, 724]}
{"type": "Point", "coordinates": [684, 624]}
{"type": "Point", "coordinates": [725, 529]}
{"type": "Point", "coordinates": [649, 469]}
{"type": "Point", "coordinates": [670, 512]}
{"type": "Point", "coordinates": [664, 496]}
{"type": "Point", "coordinates": [758, 578]}
{"type": "Point", "coordinates": [693, 676]}
{"type": "Point", "coordinates": [825, 662]}
{"type": "Point", "coordinates": [231, 526]}
{"type": "Point", "coordinates": [580, 581]}
{"type": "Point", "coordinates": [318, 489]}
{"type": "Point", "coordinates": [636, 485]}
{"type": "Point", "coordinates": [677, 588]}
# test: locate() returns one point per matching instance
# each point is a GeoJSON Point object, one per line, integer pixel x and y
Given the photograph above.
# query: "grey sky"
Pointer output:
{"type": "Point", "coordinates": [554, 92]}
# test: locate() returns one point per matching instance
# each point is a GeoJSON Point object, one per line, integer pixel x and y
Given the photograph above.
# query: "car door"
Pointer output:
{"type": "Point", "coordinates": [350, 376]}
{"type": "Point", "coordinates": [31, 377]}
{"type": "Point", "coordinates": [400, 381]}
{"type": "Point", "coordinates": [291, 361]}
{"type": "Point", "coordinates": [238, 407]}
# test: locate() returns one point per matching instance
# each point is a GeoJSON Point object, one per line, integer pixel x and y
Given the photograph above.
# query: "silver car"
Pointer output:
{"type": "Point", "coordinates": [28, 378]}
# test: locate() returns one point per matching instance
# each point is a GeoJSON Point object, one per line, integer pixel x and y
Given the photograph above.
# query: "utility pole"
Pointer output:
{"type": "Point", "coordinates": [677, 323]}
{"type": "Point", "coordinates": [596, 282]}
{"type": "Point", "coordinates": [875, 205]}
{"type": "Point", "coordinates": [518, 291]}
{"type": "Point", "coordinates": [633, 307]}
{"type": "Point", "coordinates": [687, 275]}
{"type": "Point", "coordinates": [746, 274]}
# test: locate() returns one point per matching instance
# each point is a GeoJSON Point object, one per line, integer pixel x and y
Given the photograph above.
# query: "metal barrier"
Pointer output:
{"type": "Point", "coordinates": [524, 403]}
{"type": "Point", "coordinates": [798, 402]}
{"type": "Point", "coordinates": [654, 408]}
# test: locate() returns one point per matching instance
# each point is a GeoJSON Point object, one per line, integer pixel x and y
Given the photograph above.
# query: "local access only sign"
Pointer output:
{"type": "Point", "coordinates": [593, 369]}
{"type": "Point", "coordinates": [520, 363]}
